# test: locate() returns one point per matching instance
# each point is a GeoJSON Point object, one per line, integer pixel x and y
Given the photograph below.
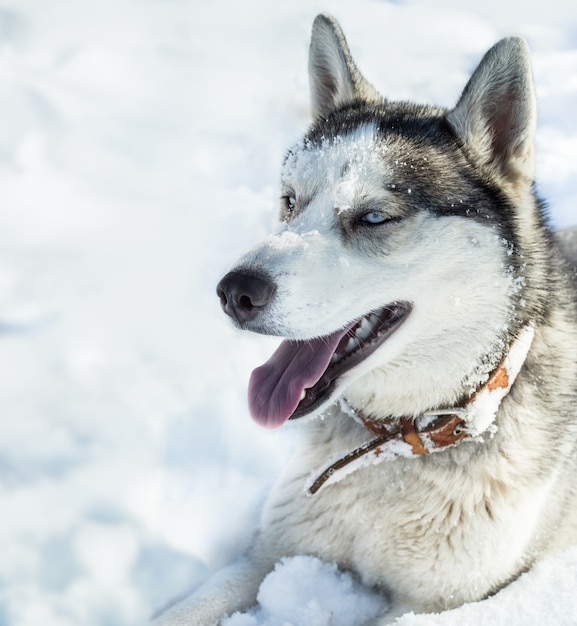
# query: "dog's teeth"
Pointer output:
{"type": "Point", "coordinates": [303, 395]}
{"type": "Point", "coordinates": [364, 330]}
{"type": "Point", "coordinates": [351, 345]}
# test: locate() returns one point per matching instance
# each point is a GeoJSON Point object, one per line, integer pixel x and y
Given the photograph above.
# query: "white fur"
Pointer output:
{"type": "Point", "coordinates": [437, 530]}
{"type": "Point", "coordinates": [434, 265]}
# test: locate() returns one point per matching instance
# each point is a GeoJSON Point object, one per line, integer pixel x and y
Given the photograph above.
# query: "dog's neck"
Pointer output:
{"type": "Point", "coordinates": [432, 431]}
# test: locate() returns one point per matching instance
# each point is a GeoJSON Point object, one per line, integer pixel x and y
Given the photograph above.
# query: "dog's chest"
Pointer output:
{"type": "Point", "coordinates": [422, 527]}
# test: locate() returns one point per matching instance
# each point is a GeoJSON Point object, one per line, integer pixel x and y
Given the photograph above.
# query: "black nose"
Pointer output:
{"type": "Point", "coordinates": [243, 295]}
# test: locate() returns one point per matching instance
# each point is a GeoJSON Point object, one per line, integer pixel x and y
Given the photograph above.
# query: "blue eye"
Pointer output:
{"type": "Point", "coordinates": [373, 218]}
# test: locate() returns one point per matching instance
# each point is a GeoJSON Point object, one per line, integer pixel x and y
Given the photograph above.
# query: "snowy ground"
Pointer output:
{"type": "Point", "coordinates": [139, 149]}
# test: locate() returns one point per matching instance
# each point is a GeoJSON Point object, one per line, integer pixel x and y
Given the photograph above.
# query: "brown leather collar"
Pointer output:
{"type": "Point", "coordinates": [436, 430]}
{"type": "Point", "coordinates": [446, 431]}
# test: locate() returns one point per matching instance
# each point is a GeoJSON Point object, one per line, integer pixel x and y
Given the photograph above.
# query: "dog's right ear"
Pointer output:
{"type": "Point", "coordinates": [333, 75]}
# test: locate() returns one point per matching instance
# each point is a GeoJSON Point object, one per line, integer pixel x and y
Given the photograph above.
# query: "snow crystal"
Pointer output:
{"type": "Point", "coordinates": [287, 239]}
{"type": "Point", "coordinates": [344, 193]}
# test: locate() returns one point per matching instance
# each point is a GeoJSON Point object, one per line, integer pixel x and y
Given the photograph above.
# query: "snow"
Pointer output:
{"type": "Point", "coordinates": [140, 147]}
{"type": "Point", "coordinates": [304, 590]}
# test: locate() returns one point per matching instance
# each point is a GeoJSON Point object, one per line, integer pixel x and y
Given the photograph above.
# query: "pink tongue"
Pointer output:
{"type": "Point", "coordinates": [275, 388]}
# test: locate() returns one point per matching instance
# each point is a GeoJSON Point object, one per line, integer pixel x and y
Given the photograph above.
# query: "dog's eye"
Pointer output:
{"type": "Point", "coordinates": [289, 202]}
{"type": "Point", "coordinates": [373, 218]}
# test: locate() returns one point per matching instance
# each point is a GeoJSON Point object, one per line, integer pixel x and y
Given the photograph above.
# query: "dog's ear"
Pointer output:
{"type": "Point", "coordinates": [334, 77]}
{"type": "Point", "coordinates": [496, 114]}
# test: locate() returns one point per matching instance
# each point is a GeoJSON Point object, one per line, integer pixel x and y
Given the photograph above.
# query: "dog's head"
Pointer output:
{"type": "Point", "coordinates": [395, 273]}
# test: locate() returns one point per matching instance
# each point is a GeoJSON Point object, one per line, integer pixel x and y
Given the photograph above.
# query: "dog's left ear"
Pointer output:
{"type": "Point", "coordinates": [334, 78]}
{"type": "Point", "coordinates": [496, 114]}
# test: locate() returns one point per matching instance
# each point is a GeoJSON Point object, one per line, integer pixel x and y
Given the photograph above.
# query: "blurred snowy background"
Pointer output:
{"type": "Point", "coordinates": [140, 143]}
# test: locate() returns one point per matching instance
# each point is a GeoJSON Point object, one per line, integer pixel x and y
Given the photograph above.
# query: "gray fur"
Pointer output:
{"type": "Point", "coordinates": [567, 240]}
{"type": "Point", "coordinates": [495, 116]}
{"type": "Point", "coordinates": [394, 202]}
{"type": "Point", "coordinates": [334, 78]}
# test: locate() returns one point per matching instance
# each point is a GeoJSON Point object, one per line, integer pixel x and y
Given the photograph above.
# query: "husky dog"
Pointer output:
{"type": "Point", "coordinates": [430, 351]}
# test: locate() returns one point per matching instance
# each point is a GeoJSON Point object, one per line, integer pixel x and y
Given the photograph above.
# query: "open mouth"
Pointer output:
{"type": "Point", "coordinates": [302, 375]}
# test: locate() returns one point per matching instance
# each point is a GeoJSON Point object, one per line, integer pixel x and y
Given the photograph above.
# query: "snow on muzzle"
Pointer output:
{"type": "Point", "coordinates": [302, 375]}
